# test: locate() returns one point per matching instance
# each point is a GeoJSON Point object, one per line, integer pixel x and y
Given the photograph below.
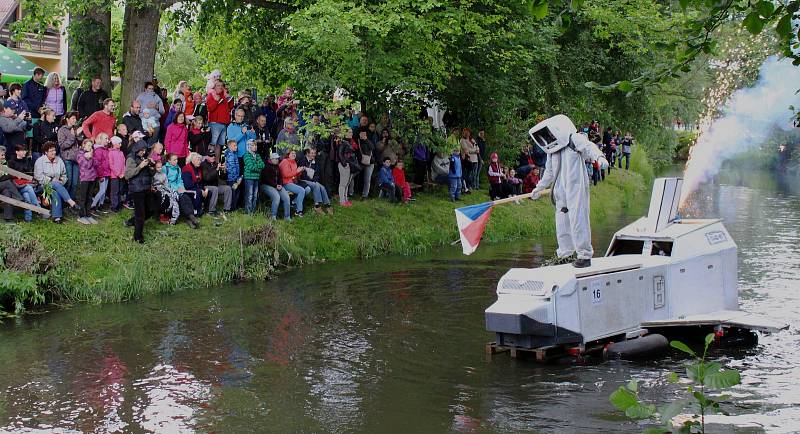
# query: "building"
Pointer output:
{"type": "Point", "coordinates": [48, 52]}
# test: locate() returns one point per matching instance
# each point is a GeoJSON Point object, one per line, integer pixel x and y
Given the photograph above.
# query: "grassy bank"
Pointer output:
{"type": "Point", "coordinates": [72, 262]}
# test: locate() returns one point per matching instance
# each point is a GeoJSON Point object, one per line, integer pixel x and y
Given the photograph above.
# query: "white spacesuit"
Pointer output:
{"type": "Point", "coordinates": [567, 153]}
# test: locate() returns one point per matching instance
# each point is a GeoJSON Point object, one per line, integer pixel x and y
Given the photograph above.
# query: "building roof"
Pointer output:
{"type": "Point", "coordinates": [7, 9]}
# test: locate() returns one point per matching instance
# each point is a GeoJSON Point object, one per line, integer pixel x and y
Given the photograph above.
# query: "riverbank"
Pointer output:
{"type": "Point", "coordinates": [75, 263]}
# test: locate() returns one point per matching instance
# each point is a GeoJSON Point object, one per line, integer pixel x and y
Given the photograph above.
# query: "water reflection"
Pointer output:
{"type": "Point", "coordinates": [393, 344]}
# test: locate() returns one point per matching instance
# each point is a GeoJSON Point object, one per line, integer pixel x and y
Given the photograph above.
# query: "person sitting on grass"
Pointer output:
{"type": "Point", "coordinates": [8, 188]}
{"type": "Point", "coordinates": [514, 183]}
{"type": "Point", "coordinates": [175, 183]}
{"type": "Point", "coordinates": [291, 173]}
{"type": "Point", "coordinates": [253, 164]}
{"type": "Point", "coordinates": [386, 181]}
{"type": "Point", "coordinates": [399, 176]}
{"type": "Point", "coordinates": [193, 182]}
{"type": "Point", "coordinates": [272, 186]}
{"type": "Point", "coordinates": [168, 199]}
{"type": "Point", "coordinates": [233, 172]}
{"type": "Point", "coordinates": [88, 177]}
{"type": "Point", "coordinates": [210, 171]}
{"type": "Point", "coordinates": [23, 163]}
{"type": "Point", "coordinates": [530, 181]}
{"type": "Point", "coordinates": [311, 179]}
{"type": "Point", "coordinates": [50, 170]}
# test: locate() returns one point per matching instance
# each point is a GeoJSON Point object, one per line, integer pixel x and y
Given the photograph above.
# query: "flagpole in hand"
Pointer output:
{"type": "Point", "coordinates": [472, 220]}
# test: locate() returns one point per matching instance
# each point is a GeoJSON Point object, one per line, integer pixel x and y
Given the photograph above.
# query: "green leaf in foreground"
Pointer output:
{"type": "Point", "coordinates": [640, 411]}
{"type": "Point", "coordinates": [623, 399]}
{"type": "Point", "coordinates": [682, 347]}
{"type": "Point", "coordinates": [722, 379]}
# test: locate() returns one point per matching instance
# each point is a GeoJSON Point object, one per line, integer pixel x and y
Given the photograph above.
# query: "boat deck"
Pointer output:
{"type": "Point", "coordinates": [730, 318]}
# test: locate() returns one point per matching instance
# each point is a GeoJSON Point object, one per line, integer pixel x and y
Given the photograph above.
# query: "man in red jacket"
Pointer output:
{"type": "Point", "coordinates": [101, 121]}
{"type": "Point", "coordinates": [219, 105]}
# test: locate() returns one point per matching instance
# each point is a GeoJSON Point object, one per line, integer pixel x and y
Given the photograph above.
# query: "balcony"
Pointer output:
{"type": "Point", "coordinates": [50, 43]}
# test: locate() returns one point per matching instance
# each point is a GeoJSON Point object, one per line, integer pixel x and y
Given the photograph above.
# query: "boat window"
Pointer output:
{"type": "Point", "coordinates": [661, 248]}
{"type": "Point", "coordinates": [626, 247]}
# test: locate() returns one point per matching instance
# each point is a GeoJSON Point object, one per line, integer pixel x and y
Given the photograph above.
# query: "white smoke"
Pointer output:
{"type": "Point", "coordinates": [749, 117]}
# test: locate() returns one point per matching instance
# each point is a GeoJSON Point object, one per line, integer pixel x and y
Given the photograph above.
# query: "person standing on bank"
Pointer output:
{"type": "Point", "coordinates": [91, 100]}
{"type": "Point", "coordinates": [33, 92]}
{"type": "Point", "coordinates": [139, 174]}
{"type": "Point", "coordinates": [55, 96]}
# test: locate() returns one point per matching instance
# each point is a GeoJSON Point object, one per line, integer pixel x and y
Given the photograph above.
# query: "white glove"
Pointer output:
{"type": "Point", "coordinates": [536, 194]}
{"type": "Point", "coordinates": [603, 163]}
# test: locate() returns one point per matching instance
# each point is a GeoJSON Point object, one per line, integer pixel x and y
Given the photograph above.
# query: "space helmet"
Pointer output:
{"type": "Point", "coordinates": [552, 134]}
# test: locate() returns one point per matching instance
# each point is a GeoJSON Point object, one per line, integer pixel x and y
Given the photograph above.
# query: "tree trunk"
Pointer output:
{"type": "Point", "coordinates": [90, 45]}
{"type": "Point", "coordinates": [140, 35]}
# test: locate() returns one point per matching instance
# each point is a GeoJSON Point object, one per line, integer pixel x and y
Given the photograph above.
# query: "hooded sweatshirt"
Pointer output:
{"type": "Point", "coordinates": [147, 98]}
{"type": "Point", "coordinates": [88, 167]}
{"type": "Point", "coordinates": [101, 161]}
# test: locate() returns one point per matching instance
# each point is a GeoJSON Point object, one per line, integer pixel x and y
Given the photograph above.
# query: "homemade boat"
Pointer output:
{"type": "Point", "coordinates": [660, 275]}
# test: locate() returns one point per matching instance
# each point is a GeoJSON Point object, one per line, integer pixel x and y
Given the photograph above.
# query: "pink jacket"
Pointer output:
{"type": "Point", "coordinates": [116, 163]}
{"type": "Point", "coordinates": [101, 162]}
{"type": "Point", "coordinates": [177, 140]}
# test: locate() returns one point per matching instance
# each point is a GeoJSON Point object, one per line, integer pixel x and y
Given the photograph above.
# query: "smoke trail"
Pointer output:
{"type": "Point", "coordinates": [749, 116]}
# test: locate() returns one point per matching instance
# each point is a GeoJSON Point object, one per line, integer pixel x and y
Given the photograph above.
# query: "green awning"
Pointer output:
{"type": "Point", "coordinates": [14, 67]}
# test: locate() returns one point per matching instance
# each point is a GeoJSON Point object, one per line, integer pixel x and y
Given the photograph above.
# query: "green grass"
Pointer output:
{"type": "Point", "coordinates": [100, 263]}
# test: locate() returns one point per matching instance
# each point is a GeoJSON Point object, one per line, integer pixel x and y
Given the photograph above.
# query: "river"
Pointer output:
{"type": "Point", "coordinates": [390, 345]}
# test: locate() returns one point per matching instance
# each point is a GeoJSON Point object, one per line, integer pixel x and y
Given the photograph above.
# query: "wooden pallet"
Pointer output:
{"type": "Point", "coordinates": [543, 354]}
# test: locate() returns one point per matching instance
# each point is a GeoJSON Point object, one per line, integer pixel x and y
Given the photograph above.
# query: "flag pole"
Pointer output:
{"type": "Point", "coordinates": [518, 197]}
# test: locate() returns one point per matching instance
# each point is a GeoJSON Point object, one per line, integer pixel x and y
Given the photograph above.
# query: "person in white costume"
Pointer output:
{"type": "Point", "coordinates": [567, 153]}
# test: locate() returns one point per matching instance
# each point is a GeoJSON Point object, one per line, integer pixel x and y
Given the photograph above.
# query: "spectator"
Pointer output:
{"type": "Point", "coordinates": [233, 169]}
{"type": "Point", "coordinates": [23, 163]}
{"type": "Point", "coordinates": [150, 125]}
{"type": "Point", "coordinates": [241, 132]}
{"type": "Point", "coordinates": [139, 174]}
{"type": "Point", "coordinates": [399, 175]}
{"type": "Point", "coordinates": [253, 164]}
{"type": "Point", "coordinates": [386, 181]}
{"type": "Point", "coordinates": [263, 137]}
{"type": "Point", "coordinates": [193, 183]}
{"type": "Point", "coordinates": [103, 171]}
{"type": "Point", "coordinates": [311, 178]}
{"type": "Point", "coordinates": [291, 174]}
{"type": "Point", "coordinates": [49, 170]}
{"type": "Point", "coordinates": [245, 103]}
{"type": "Point", "coordinates": [625, 146]}
{"type": "Point", "coordinates": [44, 131]}
{"type": "Point", "coordinates": [55, 95]}
{"type": "Point", "coordinates": [287, 137]}
{"type": "Point", "coordinates": [125, 138]}
{"type": "Point", "coordinates": [366, 148]}
{"type": "Point", "coordinates": [268, 110]}
{"type": "Point", "coordinates": [8, 188]}
{"type": "Point", "coordinates": [496, 178]}
{"type": "Point", "coordinates": [200, 137]}
{"type": "Point", "coordinates": [175, 183]}
{"type": "Point", "coordinates": [420, 156]}
{"type": "Point", "coordinates": [219, 105]}
{"type": "Point", "coordinates": [91, 100]}
{"type": "Point", "coordinates": [15, 101]}
{"type": "Point", "coordinates": [88, 177]}
{"type": "Point", "coordinates": [68, 143]}
{"type": "Point", "coordinates": [514, 183]}
{"type": "Point", "coordinates": [531, 181]}
{"type": "Point", "coordinates": [199, 107]}
{"type": "Point", "coordinates": [33, 92]}
{"type": "Point", "coordinates": [168, 199]}
{"type": "Point", "coordinates": [454, 176]}
{"type": "Point", "coordinates": [471, 155]}
{"type": "Point", "coordinates": [526, 161]}
{"type": "Point", "coordinates": [133, 119]}
{"type": "Point", "coordinates": [116, 165]}
{"type": "Point", "coordinates": [101, 121]}
{"type": "Point", "coordinates": [149, 99]}
{"type": "Point", "coordinates": [210, 170]}
{"type": "Point", "coordinates": [174, 109]}
{"type": "Point", "coordinates": [13, 126]}
{"type": "Point", "coordinates": [180, 94]}
{"type": "Point", "coordinates": [272, 186]}
{"type": "Point", "coordinates": [76, 95]}
{"type": "Point", "coordinates": [346, 163]}
{"type": "Point", "coordinates": [157, 152]}
{"type": "Point", "coordinates": [177, 139]}
{"type": "Point", "coordinates": [481, 142]}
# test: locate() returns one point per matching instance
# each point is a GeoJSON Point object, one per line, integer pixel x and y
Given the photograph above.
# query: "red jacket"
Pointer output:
{"type": "Point", "coordinates": [289, 170]}
{"type": "Point", "coordinates": [176, 141]}
{"type": "Point", "coordinates": [219, 111]}
{"type": "Point", "coordinates": [99, 122]}
{"type": "Point", "coordinates": [399, 176]}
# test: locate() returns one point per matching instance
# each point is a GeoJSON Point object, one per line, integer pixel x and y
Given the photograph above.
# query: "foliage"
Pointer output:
{"type": "Point", "coordinates": [702, 375]}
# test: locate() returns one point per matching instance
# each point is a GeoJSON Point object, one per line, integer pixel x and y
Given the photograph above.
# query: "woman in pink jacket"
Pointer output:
{"type": "Point", "coordinates": [177, 139]}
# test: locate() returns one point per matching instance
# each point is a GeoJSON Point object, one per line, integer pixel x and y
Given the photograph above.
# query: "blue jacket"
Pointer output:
{"type": "Point", "coordinates": [235, 133]}
{"type": "Point", "coordinates": [174, 178]}
{"type": "Point", "coordinates": [385, 176]}
{"type": "Point", "coordinates": [455, 167]}
{"type": "Point", "coordinates": [33, 95]}
{"type": "Point", "coordinates": [232, 165]}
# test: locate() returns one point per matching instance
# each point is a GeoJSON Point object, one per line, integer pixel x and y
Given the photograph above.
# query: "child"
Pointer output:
{"type": "Point", "coordinates": [253, 164]}
{"type": "Point", "coordinates": [386, 181]}
{"type": "Point", "coordinates": [122, 133]}
{"type": "Point", "coordinates": [156, 152]}
{"type": "Point", "coordinates": [103, 171]}
{"type": "Point", "coordinates": [234, 171]}
{"type": "Point", "coordinates": [531, 180]}
{"type": "Point", "coordinates": [514, 183]}
{"type": "Point", "coordinates": [150, 124]}
{"type": "Point", "coordinates": [88, 176]}
{"type": "Point", "coordinates": [161, 186]}
{"type": "Point", "coordinates": [116, 164]}
{"type": "Point", "coordinates": [22, 163]}
{"type": "Point", "coordinates": [454, 175]}
{"type": "Point", "coordinates": [400, 179]}
{"type": "Point", "coordinates": [495, 178]}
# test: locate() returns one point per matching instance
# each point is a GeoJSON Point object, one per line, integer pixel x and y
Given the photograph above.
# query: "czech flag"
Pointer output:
{"type": "Point", "coordinates": [471, 223]}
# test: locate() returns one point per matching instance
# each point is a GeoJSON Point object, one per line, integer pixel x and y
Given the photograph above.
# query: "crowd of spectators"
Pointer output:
{"type": "Point", "coordinates": [184, 154]}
